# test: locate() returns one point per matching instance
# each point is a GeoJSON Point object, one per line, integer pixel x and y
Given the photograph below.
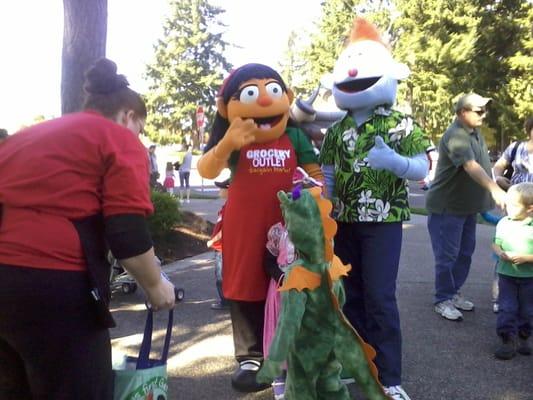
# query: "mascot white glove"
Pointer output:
{"type": "Point", "coordinates": [382, 156]}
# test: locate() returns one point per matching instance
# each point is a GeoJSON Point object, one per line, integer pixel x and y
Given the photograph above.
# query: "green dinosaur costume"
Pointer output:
{"type": "Point", "coordinates": [312, 333]}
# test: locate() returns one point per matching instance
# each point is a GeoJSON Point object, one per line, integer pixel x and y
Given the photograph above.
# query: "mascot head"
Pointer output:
{"type": "Point", "coordinates": [253, 91]}
{"type": "Point", "coordinates": [365, 75]}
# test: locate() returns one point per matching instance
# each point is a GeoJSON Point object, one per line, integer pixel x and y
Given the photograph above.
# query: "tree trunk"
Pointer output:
{"type": "Point", "coordinates": [84, 41]}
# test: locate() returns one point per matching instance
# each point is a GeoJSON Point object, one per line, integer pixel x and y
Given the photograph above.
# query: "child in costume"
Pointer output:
{"type": "Point", "coordinates": [513, 244]}
{"type": "Point", "coordinates": [312, 334]}
{"type": "Point", "coordinates": [366, 159]}
{"type": "Point", "coordinates": [251, 135]}
{"type": "Point", "coordinates": [280, 253]}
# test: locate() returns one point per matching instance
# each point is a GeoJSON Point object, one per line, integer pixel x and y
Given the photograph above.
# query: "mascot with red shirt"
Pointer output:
{"type": "Point", "coordinates": [253, 136]}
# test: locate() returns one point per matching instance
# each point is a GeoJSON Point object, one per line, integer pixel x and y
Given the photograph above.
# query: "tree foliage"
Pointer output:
{"type": "Point", "coordinates": [187, 70]}
{"type": "Point", "coordinates": [451, 47]}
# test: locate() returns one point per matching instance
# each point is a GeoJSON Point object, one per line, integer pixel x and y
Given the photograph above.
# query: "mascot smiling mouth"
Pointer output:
{"type": "Point", "coordinates": [356, 85]}
{"type": "Point", "coordinates": [268, 122]}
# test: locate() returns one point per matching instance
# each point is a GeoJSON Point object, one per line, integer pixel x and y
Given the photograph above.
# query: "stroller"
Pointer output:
{"type": "Point", "coordinates": [121, 280]}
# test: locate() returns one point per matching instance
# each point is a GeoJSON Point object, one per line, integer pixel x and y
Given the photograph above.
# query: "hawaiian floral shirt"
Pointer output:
{"type": "Point", "coordinates": [363, 194]}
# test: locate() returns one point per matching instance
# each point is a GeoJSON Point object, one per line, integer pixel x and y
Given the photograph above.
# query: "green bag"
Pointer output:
{"type": "Point", "coordinates": [145, 378]}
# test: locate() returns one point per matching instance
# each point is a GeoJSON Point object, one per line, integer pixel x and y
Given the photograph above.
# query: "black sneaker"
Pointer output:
{"type": "Point", "coordinates": [223, 184]}
{"type": "Point", "coordinates": [243, 378]}
{"type": "Point", "coordinates": [523, 346]}
{"type": "Point", "coordinates": [507, 349]}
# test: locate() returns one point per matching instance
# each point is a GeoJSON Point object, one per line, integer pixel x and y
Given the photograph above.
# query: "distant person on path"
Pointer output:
{"type": "Point", "coordinates": [168, 183]}
{"type": "Point", "coordinates": [513, 244]}
{"type": "Point", "coordinates": [90, 189]}
{"type": "Point", "coordinates": [3, 135]}
{"type": "Point", "coordinates": [519, 156]}
{"type": "Point", "coordinates": [462, 188]}
{"type": "Point", "coordinates": [152, 158]}
{"type": "Point", "coordinates": [185, 174]}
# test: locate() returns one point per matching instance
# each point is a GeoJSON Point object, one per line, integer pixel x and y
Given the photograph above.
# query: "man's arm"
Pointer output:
{"type": "Point", "coordinates": [478, 174]}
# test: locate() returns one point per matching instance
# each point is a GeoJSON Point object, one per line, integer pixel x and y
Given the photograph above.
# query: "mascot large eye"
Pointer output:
{"type": "Point", "coordinates": [249, 94]}
{"type": "Point", "coordinates": [274, 90]}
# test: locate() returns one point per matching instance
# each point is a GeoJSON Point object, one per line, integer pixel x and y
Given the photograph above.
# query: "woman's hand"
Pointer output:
{"type": "Point", "coordinates": [161, 295]}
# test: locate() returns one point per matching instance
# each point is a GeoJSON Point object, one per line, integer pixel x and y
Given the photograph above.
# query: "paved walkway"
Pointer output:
{"type": "Point", "coordinates": [442, 360]}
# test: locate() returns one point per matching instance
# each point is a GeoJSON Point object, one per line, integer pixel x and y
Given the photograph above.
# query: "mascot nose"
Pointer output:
{"type": "Point", "coordinates": [264, 101]}
{"type": "Point", "coordinates": [353, 72]}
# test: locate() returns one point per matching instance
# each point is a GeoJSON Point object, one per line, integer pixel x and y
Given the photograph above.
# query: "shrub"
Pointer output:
{"type": "Point", "coordinates": [166, 214]}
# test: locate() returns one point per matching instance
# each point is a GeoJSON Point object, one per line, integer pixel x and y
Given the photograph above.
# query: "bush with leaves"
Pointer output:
{"type": "Point", "coordinates": [166, 214]}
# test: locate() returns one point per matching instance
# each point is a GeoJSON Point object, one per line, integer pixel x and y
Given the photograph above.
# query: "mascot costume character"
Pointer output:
{"type": "Point", "coordinates": [366, 158]}
{"type": "Point", "coordinates": [251, 135]}
{"type": "Point", "coordinates": [312, 334]}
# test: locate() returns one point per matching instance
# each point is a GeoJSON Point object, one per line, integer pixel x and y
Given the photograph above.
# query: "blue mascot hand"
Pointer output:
{"type": "Point", "coordinates": [382, 156]}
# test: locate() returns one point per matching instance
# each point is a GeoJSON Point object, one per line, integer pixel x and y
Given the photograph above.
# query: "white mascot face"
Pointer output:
{"type": "Point", "coordinates": [366, 76]}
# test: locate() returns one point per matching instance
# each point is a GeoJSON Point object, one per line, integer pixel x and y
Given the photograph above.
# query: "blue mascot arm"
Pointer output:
{"type": "Point", "coordinates": [382, 156]}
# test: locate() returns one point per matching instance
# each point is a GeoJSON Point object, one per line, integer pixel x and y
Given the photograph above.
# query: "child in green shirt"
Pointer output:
{"type": "Point", "coordinates": [513, 244]}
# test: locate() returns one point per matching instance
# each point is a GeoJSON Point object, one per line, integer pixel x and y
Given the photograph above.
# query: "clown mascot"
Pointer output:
{"type": "Point", "coordinates": [366, 159]}
{"type": "Point", "coordinates": [252, 136]}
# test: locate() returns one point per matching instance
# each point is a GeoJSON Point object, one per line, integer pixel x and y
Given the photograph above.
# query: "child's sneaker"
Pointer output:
{"type": "Point", "coordinates": [507, 348]}
{"type": "Point", "coordinates": [278, 388]}
{"type": "Point", "coordinates": [523, 346]}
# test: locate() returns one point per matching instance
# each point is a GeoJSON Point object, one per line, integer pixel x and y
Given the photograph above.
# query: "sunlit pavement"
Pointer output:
{"type": "Point", "coordinates": [441, 359]}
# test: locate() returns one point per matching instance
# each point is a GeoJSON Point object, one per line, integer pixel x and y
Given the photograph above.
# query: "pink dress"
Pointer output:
{"type": "Point", "coordinates": [279, 245]}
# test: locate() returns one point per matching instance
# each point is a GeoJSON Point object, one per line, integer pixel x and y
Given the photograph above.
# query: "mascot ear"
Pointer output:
{"type": "Point", "coordinates": [399, 71]}
{"type": "Point", "coordinates": [221, 108]}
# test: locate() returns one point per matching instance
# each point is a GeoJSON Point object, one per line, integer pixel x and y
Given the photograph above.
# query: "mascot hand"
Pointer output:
{"type": "Point", "coordinates": [240, 133]}
{"type": "Point", "coordinates": [382, 156]}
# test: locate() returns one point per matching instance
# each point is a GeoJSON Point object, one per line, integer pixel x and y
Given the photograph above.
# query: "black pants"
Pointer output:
{"type": "Point", "coordinates": [51, 346]}
{"type": "Point", "coordinates": [247, 319]}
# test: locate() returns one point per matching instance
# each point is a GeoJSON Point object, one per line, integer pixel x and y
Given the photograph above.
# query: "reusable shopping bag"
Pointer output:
{"type": "Point", "coordinates": [141, 377]}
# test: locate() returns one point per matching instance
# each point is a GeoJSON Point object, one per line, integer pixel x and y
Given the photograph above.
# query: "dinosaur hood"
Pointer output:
{"type": "Point", "coordinates": [307, 220]}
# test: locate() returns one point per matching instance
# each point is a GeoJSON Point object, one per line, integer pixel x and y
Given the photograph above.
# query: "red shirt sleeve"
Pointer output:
{"type": "Point", "coordinates": [126, 179]}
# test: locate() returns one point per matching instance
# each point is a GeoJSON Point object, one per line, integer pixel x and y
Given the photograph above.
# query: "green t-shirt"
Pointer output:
{"type": "Point", "coordinates": [453, 190]}
{"type": "Point", "coordinates": [363, 194]}
{"type": "Point", "coordinates": [515, 237]}
{"type": "Point", "coordinates": [305, 153]}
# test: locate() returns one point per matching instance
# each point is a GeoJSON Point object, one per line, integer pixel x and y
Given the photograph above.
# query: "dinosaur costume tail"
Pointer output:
{"type": "Point", "coordinates": [357, 363]}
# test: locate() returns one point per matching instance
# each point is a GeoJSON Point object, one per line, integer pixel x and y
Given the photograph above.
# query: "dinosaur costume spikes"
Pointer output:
{"type": "Point", "coordinates": [312, 333]}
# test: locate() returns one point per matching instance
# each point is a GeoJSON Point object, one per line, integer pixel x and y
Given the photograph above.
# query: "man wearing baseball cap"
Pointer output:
{"type": "Point", "coordinates": [462, 188]}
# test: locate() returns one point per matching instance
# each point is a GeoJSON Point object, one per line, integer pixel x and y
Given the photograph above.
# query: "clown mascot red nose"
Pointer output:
{"type": "Point", "coordinates": [366, 159]}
